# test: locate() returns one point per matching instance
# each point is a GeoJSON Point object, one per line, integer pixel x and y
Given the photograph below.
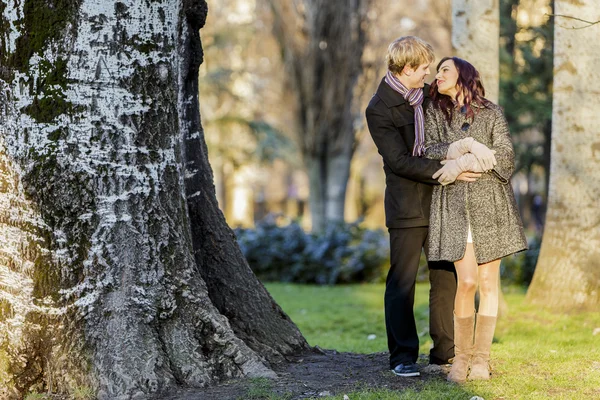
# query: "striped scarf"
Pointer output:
{"type": "Point", "coordinates": [415, 98]}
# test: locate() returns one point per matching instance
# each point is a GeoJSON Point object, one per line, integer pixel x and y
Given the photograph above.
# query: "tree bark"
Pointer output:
{"type": "Point", "coordinates": [328, 185]}
{"type": "Point", "coordinates": [322, 43]}
{"type": "Point", "coordinates": [118, 272]}
{"type": "Point", "coordinates": [475, 35]}
{"type": "Point", "coordinates": [317, 182]}
{"type": "Point", "coordinates": [567, 275]}
{"type": "Point", "coordinates": [338, 174]}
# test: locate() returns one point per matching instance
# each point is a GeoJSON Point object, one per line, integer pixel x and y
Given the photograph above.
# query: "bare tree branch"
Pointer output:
{"type": "Point", "coordinates": [576, 19]}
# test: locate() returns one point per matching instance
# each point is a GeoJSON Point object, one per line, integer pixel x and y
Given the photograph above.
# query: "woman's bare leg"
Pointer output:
{"type": "Point", "coordinates": [489, 288]}
{"type": "Point", "coordinates": [464, 316]}
{"type": "Point", "coordinates": [466, 277]}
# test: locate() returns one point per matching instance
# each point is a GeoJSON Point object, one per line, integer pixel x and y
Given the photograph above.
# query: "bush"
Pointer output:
{"type": "Point", "coordinates": [518, 269]}
{"type": "Point", "coordinates": [344, 253]}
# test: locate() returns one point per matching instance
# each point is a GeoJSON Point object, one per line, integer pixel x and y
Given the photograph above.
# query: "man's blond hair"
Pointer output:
{"type": "Point", "coordinates": [408, 51]}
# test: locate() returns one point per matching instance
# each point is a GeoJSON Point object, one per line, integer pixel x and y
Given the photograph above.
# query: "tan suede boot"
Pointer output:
{"type": "Point", "coordinates": [463, 348]}
{"type": "Point", "coordinates": [484, 334]}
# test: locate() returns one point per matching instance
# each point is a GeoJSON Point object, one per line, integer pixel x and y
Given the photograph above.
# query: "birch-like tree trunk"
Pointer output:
{"type": "Point", "coordinates": [322, 42]}
{"type": "Point", "coordinates": [118, 273]}
{"type": "Point", "coordinates": [475, 38]}
{"type": "Point", "coordinates": [567, 275]}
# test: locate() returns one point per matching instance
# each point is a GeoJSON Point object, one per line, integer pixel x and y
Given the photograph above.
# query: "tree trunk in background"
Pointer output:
{"type": "Point", "coordinates": [322, 43]}
{"type": "Point", "coordinates": [475, 35]}
{"type": "Point", "coordinates": [567, 275]}
{"type": "Point", "coordinates": [547, 159]}
{"type": "Point", "coordinates": [338, 174]}
{"type": "Point", "coordinates": [117, 271]}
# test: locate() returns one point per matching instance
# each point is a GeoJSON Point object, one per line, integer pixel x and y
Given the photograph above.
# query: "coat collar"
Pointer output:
{"type": "Point", "coordinates": [473, 104]}
{"type": "Point", "coordinates": [391, 98]}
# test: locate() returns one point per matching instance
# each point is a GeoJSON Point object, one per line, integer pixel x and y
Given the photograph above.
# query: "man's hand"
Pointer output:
{"type": "Point", "coordinates": [449, 172]}
{"type": "Point", "coordinates": [453, 168]}
{"type": "Point", "coordinates": [468, 176]}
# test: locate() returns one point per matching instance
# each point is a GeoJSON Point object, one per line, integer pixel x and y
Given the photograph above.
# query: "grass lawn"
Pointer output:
{"type": "Point", "coordinates": [536, 354]}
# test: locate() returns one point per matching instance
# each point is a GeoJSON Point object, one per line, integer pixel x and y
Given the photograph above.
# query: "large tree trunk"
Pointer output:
{"type": "Point", "coordinates": [322, 43]}
{"type": "Point", "coordinates": [475, 35]}
{"type": "Point", "coordinates": [567, 275]}
{"type": "Point", "coordinates": [117, 271]}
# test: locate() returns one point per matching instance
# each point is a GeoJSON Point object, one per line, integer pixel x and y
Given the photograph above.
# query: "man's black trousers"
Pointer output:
{"type": "Point", "coordinates": [403, 341]}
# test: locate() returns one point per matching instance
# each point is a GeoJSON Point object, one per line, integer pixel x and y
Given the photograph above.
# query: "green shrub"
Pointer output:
{"type": "Point", "coordinates": [518, 269]}
{"type": "Point", "coordinates": [343, 253]}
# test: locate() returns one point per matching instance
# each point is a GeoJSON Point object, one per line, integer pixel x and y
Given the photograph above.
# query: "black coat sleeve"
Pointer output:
{"type": "Point", "coordinates": [394, 151]}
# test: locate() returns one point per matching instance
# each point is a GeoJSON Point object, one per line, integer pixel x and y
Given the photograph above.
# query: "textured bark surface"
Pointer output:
{"type": "Point", "coordinates": [118, 274]}
{"type": "Point", "coordinates": [475, 36]}
{"type": "Point", "coordinates": [232, 287]}
{"type": "Point", "coordinates": [567, 275]}
{"type": "Point", "coordinates": [322, 42]}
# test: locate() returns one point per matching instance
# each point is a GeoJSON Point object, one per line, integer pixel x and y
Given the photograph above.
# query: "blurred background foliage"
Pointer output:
{"type": "Point", "coordinates": [342, 253]}
{"type": "Point", "coordinates": [252, 118]}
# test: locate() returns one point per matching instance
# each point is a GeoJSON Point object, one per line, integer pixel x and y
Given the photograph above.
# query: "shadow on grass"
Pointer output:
{"type": "Point", "coordinates": [332, 375]}
{"type": "Point", "coordinates": [427, 388]}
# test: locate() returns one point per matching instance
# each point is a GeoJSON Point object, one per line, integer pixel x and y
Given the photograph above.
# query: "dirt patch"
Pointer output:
{"type": "Point", "coordinates": [320, 373]}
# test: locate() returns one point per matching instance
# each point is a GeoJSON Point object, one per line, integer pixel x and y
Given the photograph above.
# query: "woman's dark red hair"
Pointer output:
{"type": "Point", "coordinates": [468, 85]}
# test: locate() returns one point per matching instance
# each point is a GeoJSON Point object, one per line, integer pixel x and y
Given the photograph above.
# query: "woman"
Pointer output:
{"type": "Point", "coordinates": [473, 224]}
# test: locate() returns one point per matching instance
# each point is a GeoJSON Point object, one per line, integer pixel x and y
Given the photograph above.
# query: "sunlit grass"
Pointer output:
{"type": "Point", "coordinates": [536, 354]}
{"type": "Point", "coordinates": [345, 317]}
{"type": "Point", "coordinates": [435, 389]}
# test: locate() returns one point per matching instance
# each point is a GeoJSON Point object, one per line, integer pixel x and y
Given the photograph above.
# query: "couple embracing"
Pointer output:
{"type": "Point", "coordinates": [448, 159]}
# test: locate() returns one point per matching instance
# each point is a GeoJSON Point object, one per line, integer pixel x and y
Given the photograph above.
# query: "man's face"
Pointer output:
{"type": "Point", "coordinates": [415, 77]}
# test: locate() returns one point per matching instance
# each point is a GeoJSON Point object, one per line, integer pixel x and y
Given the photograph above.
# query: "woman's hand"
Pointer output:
{"type": "Point", "coordinates": [458, 148]}
{"type": "Point", "coordinates": [452, 169]}
{"type": "Point", "coordinates": [484, 155]}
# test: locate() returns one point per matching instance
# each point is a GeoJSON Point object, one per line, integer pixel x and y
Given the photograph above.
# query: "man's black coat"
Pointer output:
{"type": "Point", "coordinates": [408, 179]}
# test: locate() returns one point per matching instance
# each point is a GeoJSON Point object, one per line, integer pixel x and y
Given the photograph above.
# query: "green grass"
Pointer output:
{"type": "Point", "coordinates": [430, 390]}
{"type": "Point", "coordinates": [36, 396]}
{"type": "Point", "coordinates": [262, 389]}
{"type": "Point", "coordinates": [536, 354]}
{"type": "Point", "coordinates": [342, 317]}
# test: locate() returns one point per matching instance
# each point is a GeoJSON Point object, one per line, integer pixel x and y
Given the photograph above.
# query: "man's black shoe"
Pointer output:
{"type": "Point", "coordinates": [438, 361]}
{"type": "Point", "coordinates": [409, 369]}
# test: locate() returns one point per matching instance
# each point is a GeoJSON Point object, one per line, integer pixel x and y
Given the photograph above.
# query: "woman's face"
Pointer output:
{"type": "Point", "coordinates": [447, 77]}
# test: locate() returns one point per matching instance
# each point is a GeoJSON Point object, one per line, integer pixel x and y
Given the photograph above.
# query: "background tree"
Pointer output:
{"type": "Point", "coordinates": [526, 54]}
{"type": "Point", "coordinates": [117, 271]}
{"type": "Point", "coordinates": [241, 105]}
{"type": "Point", "coordinates": [322, 42]}
{"type": "Point", "coordinates": [475, 35]}
{"type": "Point", "coordinates": [567, 275]}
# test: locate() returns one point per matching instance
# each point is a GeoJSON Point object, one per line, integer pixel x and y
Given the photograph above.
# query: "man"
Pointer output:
{"type": "Point", "coordinates": [395, 119]}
